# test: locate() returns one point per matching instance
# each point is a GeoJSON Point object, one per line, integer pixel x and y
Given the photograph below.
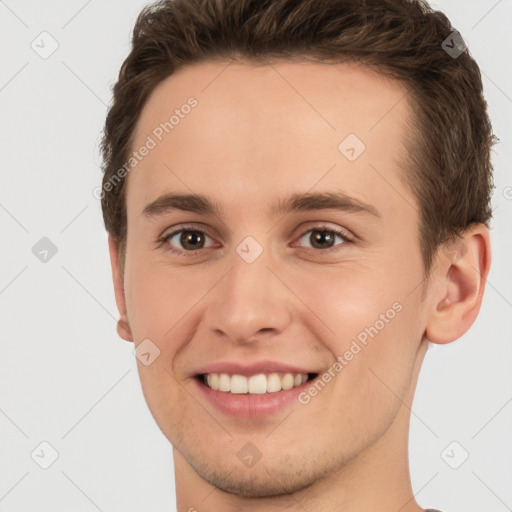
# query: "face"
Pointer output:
{"type": "Point", "coordinates": [271, 239]}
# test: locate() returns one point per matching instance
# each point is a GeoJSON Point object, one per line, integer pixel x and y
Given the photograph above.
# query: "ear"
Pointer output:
{"type": "Point", "coordinates": [458, 287]}
{"type": "Point", "coordinates": [123, 327]}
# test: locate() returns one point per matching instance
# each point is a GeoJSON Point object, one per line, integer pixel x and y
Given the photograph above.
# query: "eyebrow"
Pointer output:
{"type": "Point", "coordinates": [294, 203]}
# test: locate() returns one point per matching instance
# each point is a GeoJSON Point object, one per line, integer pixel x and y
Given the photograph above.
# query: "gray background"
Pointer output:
{"type": "Point", "coordinates": [67, 379]}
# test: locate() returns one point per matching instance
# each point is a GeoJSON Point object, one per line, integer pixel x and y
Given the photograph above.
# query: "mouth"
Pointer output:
{"type": "Point", "coordinates": [252, 390]}
{"type": "Point", "coordinates": [255, 395]}
{"type": "Point", "coordinates": [256, 384]}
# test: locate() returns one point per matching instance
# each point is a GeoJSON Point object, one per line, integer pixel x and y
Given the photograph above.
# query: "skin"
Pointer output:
{"type": "Point", "coordinates": [259, 133]}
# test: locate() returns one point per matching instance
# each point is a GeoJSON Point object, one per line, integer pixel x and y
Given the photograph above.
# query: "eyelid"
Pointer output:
{"type": "Point", "coordinates": [335, 250]}
{"type": "Point", "coordinates": [192, 226]}
{"type": "Point", "coordinates": [169, 233]}
{"type": "Point", "coordinates": [343, 233]}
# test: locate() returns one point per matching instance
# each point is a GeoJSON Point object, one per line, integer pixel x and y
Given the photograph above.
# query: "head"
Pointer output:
{"type": "Point", "coordinates": [329, 164]}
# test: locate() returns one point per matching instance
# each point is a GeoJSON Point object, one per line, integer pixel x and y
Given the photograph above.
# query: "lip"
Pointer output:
{"type": "Point", "coordinates": [251, 406]}
{"type": "Point", "coordinates": [238, 368]}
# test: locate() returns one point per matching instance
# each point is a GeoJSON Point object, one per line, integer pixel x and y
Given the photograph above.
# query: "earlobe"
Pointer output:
{"type": "Point", "coordinates": [463, 267]}
{"type": "Point", "coordinates": [123, 326]}
{"type": "Point", "coordinates": [123, 330]}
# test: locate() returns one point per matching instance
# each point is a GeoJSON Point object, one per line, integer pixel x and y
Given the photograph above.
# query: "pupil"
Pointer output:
{"type": "Point", "coordinates": [191, 239]}
{"type": "Point", "coordinates": [318, 238]}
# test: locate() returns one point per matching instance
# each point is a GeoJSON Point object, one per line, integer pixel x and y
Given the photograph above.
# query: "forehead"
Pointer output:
{"type": "Point", "coordinates": [266, 129]}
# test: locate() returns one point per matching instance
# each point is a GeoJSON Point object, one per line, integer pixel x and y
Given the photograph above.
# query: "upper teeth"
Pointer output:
{"type": "Point", "coordinates": [256, 384]}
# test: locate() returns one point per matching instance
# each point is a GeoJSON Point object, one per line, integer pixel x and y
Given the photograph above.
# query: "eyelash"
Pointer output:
{"type": "Point", "coordinates": [164, 241]}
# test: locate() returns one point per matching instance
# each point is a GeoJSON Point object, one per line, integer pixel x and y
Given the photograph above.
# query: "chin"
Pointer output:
{"type": "Point", "coordinates": [268, 478]}
{"type": "Point", "coordinates": [264, 484]}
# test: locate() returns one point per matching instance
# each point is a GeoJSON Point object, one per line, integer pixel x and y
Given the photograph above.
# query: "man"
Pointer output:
{"type": "Point", "coordinates": [297, 200]}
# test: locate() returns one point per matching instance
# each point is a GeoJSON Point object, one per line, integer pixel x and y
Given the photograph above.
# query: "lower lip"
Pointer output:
{"type": "Point", "coordinates": [251, 406]}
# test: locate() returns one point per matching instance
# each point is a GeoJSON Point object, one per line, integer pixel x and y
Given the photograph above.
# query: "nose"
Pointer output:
{"type": "Point", "coordinates": [250, 302]}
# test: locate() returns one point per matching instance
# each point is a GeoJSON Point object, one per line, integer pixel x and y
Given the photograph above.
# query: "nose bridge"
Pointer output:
{"type": "Point", "coordinates": [249, 299]}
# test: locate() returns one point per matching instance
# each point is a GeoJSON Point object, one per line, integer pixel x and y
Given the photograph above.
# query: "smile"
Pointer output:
{"type": "Point", "coordinates": [250, 390]}
{"type": "Point", "coordinates": [257, 384]}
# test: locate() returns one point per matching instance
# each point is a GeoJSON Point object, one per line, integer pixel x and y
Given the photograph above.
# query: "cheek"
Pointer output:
{"type": "Point", "coordinates": [157, 299]}
{"type": "Point", "coordinates": [374, 324]}
{"type": "Point", "coordinates": [160, 306]}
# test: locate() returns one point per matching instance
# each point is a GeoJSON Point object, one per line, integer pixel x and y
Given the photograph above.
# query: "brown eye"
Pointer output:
{"type": "Point", "coordinates": [187, 240]}
{"type": "Point", "coordinates": [319, 238]}
{"type": "Point", "coordinates": [192, 240]}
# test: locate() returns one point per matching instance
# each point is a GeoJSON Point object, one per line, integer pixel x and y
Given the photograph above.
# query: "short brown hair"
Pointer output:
{"type": "Point", "coordinates": [449, 168]}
